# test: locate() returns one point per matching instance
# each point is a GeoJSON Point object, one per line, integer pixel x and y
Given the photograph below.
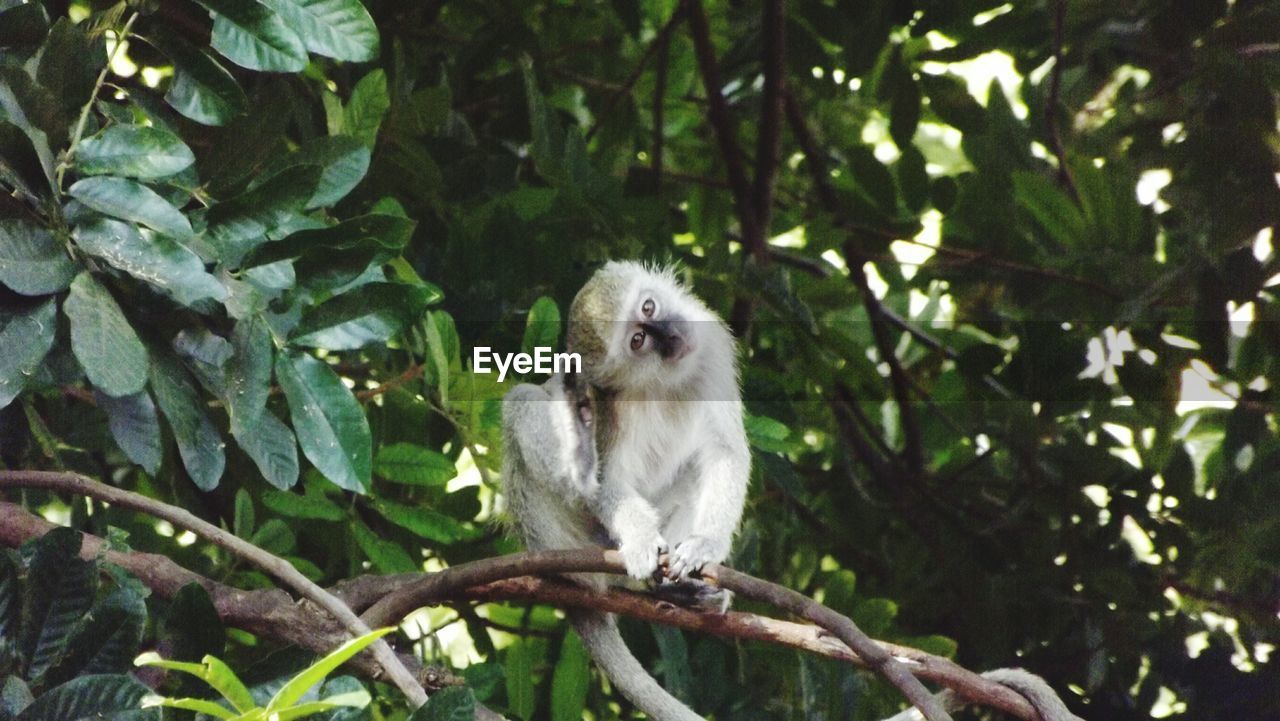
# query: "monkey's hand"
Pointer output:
{"type": "Point", "coordinates": [692, 554]}
{"type": "Point", "coordinates": [641, 556]}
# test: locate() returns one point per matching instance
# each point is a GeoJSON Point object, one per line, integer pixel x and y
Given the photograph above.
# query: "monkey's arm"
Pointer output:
{"type": "Point", "coordinates": [631, 520]}
{"type": "Point", "coordinates": [719, 495]}
{"type": "Point", "coordinates": [548, 430]}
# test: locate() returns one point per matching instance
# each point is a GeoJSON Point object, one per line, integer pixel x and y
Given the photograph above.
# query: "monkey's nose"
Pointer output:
{"type": "Point", "coordinates": [672, 339]}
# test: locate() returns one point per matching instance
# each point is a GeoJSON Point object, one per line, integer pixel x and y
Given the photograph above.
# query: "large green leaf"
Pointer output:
{"type": "Point", "coordinates": [330, 423]}
{"type": "Point", "coordinates": [297, 686]}
{"type": "Point", "coordinates": [69, 63]}
{"type": "Point", "coordinates": [25, 162]}
{"type": "Point", "coordinates": [542, 329]}
{"type": "Point", "coordinates": [313, 506]}
{"type": "Point", "coordinates": [368, 104]}
{"type": "Point", "coordinates": [158, 260]}
{"type": "Point", "coordinates": [1052, 208]}
{"type": "Point", "coordinates": [26, 339]}
{"type": "Point", "coordinates": [371, 313]}
{"type": "Point", "coordinates": [570, 680]}
{"type": "Point", "coordinates": [108, 697]}
{"type": "Point", "coordinates": [454, 703]}
{"type": "Point", "coordinates": [135, 151]}
{"type": "Point", "coordinates": [339, 29]}
{"type": "Point", "coordinates": [198, 441]}
{"type": "Point", "coordinates": [343, 160]}
{"type": "Point", "coordinates": [423, 522]}
{"type": "Point", "coordinates": [202, 89]}
{"type": "Point", "coordinates": [59, 591]}
{"type": "Point", "coordinates": [263, 437]}
{"type": "Point", "coordinates": [136, 427]}
{"type": "Point", "coordinates": [252, 36]}
{"type": "Point", "coordinates": [518, 665]}
{"type": "Point", "coordinates": [106, 639]}
{"type": "Point", "coordinates": [240, 224]}
{"type": "Point", "coordinates": [413, 465]}
{"type": "Point", "coordinates": [32, 261]}
{"type": "Point", "coordinates": [213, 671]}
{"type": "Point", "coordinates": [374, 231]}
{"type": "Point", "coordinates": [386, 556]}
{"type": "Point", "coordinates": [102, 339]}
{"type": "Point", "coordinates": [123, 198]}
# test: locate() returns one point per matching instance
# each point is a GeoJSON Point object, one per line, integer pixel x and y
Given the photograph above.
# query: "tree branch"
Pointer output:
{"type": "Point", "coordinates": [769, 139]}
{"type": "Point", "coordinates": [658, 44]}
{"type": "Point", "coordinates": [273, 565]}
{"type": "Point", "coordinates": [271, 613]}
{"type": "Point", "coordinates": [1051, 103]}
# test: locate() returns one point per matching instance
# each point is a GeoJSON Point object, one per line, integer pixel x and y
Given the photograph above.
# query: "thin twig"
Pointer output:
{"type": "Point", "coordinates": [121, 38]}
{"type": "Point", "coordinates": [1051, 103]}
{"type": "Point", "coordinates": [281, 569]}
{"type": "Point", "coordinates": [409, 374]}
{"type": "Point", "coordinates": [659, 43]}
{"type": "Point", "coordinates": [769, 135]}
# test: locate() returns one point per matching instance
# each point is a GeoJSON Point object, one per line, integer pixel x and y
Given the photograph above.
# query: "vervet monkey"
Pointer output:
{"type": "Point", "coordinates": [644, 451]}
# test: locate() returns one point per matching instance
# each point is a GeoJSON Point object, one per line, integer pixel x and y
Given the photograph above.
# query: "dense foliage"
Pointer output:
{"type": "Point", "coordinates": [1003, 275]}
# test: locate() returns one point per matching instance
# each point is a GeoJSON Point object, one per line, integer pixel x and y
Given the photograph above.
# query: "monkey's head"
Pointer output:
{"type": "Point", "coordinates": [637, 327]}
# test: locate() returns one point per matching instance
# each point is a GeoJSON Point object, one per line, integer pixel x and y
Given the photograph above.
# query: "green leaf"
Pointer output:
{"type": "Point", "coordinates": [106, 638]}
{"type": "Point", "coordinates": [519, 667]}
{"type": "Point", "coordinates": [340, 29]}
{"type": "Point", "coordinates": [343, 161]}
{"type": "Point", "coordinates": [135, 425]}
{"type": "Point", "coordinates": [26, 339]}
{"type": "Point", "coordinates": [677, 676]}
{"type": "Point", "coordinates": [25, 160]}
{"type": "Point", "coordinates": [208, 708]}
{"type": "Point", "coordinates": [766, 433]}
{"type": "Point", "coordinates": [15, 695]}
{"type": "Point", "coordinates": [453, 703]}
{"type": "Point", "coordinates": [158, 259]}
{"type": "Point", "coordinates": [243, 521]}
{"type": "Point", "coordinates": [413, 465]}
{"type": "Point", "coordinates": [368, 104]}
{"type": "Point", "coordinates": [274, 536]}
{"type": "Point", "coordinates": [542, 330]}
{"type": "Point", "coordinates": [10, 602]}
{"type": "Point", "coordinates": [59, 591]}
{"type": "Point", "coordinates": [239, 225]}
{"type": "Point", "coordinates": [371, 313]}
{"type": "Point", "coordinates": [106, 345]}
{"type": "Point", "coordinates": [312, 506]}
{"type": "Point", "coordinates": [23, 24]}
{"type": "Point", "coordinates": [293, 691]}
{"type": "Point", "coordinates": [260, 434]}
{"type": "Point", "coordinates": [254, 37]}
{"type": "Point", "coordinates": [202, 89]}
{"type": "Point", "coordinates": [423, 522]}
{"type": "Point", "coordinates": [190, 628]}
{"type": "Point", "coordinates": [198, 441]}
{"type": "Point", "coordinates": [385, 556]}
{"type": "Point", "coordinates": [1051, 207]}
{"type": "Point", "coordinates": [330, 423]}
{"type": "Point", "coordinates": [122, 198]}
{"type": "Point", "coordinates": [134, 151]}
{"type": "Point", "coordinates": [69, 63]}
{"type": "Point", "coordinates": [570, 680]}
{"type": "Point", "coordinates": [32, 261]}
{"type": "Point", "coordinates": [87, 698]}
{"type": "Point", "coordinates": [374, 231]}
{"type": "Point", "coordinates": [212, 671]}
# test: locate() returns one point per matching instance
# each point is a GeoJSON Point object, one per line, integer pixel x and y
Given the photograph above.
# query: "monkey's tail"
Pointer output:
{"type": "Point", "coordinates": [1032, 687]}
{"type": "Point", "coordinates": [600, 636]}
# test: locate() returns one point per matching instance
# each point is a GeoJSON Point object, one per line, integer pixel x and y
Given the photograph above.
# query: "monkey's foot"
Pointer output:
{"type": "Point", "coordinates": [694, 593]}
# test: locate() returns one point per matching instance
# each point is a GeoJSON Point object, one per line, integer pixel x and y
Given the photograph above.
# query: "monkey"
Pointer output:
{"type": "Point", "coordinates": [1033, 688]}
{"type": "Point", "coordinates": [644, 451]}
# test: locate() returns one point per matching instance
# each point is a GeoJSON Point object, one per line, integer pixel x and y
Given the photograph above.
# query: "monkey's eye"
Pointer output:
{"type": "Point", "coordinates": [637, 341]}
{"type": "Point", "coordinates": [647, 307]}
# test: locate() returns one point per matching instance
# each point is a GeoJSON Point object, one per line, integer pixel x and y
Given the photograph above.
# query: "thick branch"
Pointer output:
{"type": "Point", "coordinates": [659, 43]}
{"type": "Point", "coordinates": [773, 26]}
{"type": "Point", "coordinates": [273, 565]}
{"type": "Point", "coordinates": [722, 124]}
{"type": "Point", "coordinates": [271, 613]}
